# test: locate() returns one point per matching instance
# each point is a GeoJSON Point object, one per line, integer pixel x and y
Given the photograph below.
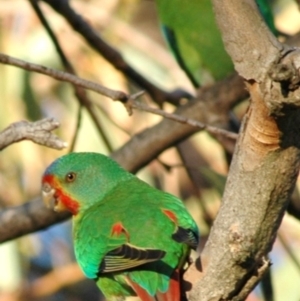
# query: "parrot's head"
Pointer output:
{"type": "Point", "coordinates": [77, 181]}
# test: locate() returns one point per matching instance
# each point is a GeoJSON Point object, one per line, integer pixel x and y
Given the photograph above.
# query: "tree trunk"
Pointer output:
{"type": "Point", "coordinates": [265, 164]}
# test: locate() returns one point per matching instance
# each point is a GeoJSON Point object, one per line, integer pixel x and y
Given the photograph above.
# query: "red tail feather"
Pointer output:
{"type": "Point", "coordinates": [144, 296]}
{"type": "Point", "coordinates": [173, 293]}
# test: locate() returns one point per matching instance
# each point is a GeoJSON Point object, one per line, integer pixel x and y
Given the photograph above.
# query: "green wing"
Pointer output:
{"type": "Point", "coordinates": [134, 225]}
{"type": "Point", "coordinates": [175, 232]}
{"type": "Point", "coordinates": [128, 256]}
{"type": "Point", "coordinates": [98, 251]}
{"type": "Point", "coordinates": [186, 230]}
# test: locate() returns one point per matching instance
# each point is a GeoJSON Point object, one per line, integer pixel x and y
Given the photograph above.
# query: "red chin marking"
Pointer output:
{"type": "Point", "coordinates": [61, 196]}
{"type": "Point", "coordinates": [68, 202]}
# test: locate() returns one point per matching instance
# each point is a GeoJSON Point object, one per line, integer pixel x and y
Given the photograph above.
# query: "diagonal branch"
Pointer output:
{"type": "Point", "coordinates": [151, 142]}
{"type": "Point", "coordinates": [27, 218]}
{"type": "Point", "coordinates": [109, 53]}
{"type": "Point", "coordinates": [80, 93]}
{"type": "Point", "coordinates": [137, 152]}
{"type": "Point", "coordinates": [65, 77]}
{"type": "Point", "coordinates": [129, 101]}
{"type": "Point", "coordinates": [182, 119]}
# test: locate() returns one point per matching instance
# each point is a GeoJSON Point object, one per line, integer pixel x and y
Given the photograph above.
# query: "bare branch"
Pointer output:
{"type": "Point", "coordinates": [211, 107]}
{"type": "Point", "coordinates": [27, 218]}
{"type": "Point", "coordinates": [183, 119]}
{"type": "Point", "coordinates": [39, 132]}
{"type": "Point", "coordinates": [253, 280]}
{"type": "Point", "coordinates": [80, 93]}
{"type": "Point", "coordinates": [147, 145]}
{"type": "Point", "coordinates": [78, 123]}
{"type": "Point", "coordinates": [109, 53]}
{"type": "Point", "coordinates": [129, 101]}
{"type": "Point", "coordinates": [65, 77]}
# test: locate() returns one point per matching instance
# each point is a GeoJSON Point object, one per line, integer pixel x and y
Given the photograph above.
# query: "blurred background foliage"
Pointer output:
{"type": "Point", "coordinates": [41, 266]}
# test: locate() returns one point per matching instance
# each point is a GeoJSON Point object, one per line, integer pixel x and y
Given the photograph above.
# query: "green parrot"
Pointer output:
{"type": "Point", "coordinates": [130, 237]}
{"type": "Point", "coordinates": [192, 34]}
{"type": "Point", "coordinates": [194, 38]}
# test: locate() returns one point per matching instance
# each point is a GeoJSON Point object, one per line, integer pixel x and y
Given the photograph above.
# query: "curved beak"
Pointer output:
{"type": "Point", "coordinates": [51, 198]}
{"type": "Point", "coordinates": [48, 194]}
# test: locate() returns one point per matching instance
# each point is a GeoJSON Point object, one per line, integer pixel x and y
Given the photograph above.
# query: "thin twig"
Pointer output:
{"type": "Point", "coordinates": [267, 286]}
{"type": "Point", "coordinates": [211, 129]}
{"type": "Point", "coordinates": [92, 37]}
{"type": "Point", "coordinates": [78, 123]}
{"type": "Point", "coordinates": [80, 93]}
{"type": "Point", "coordinates": [133, 104]}
{"type": "Point", "coordinates": [64, 76]}
{"type": "Point", "coordinates": [129, 101]}
{"type": "Point", "coordinates": [253, 280]}
{"type": "Point", "coordinates": [39, 132]}
{"type": "Point", "coordinates": [52, 36]}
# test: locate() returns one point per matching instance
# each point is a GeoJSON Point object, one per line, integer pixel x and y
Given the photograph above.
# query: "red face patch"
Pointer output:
{"type": "Point", "coordinates": [62, 199]}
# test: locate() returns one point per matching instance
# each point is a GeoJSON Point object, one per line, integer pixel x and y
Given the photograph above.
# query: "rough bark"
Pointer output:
{"type": "Point", "coordinates": [265, 164]}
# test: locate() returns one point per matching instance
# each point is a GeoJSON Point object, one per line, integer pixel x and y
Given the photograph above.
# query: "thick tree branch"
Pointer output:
{"type": "Point", "coordinates": [265, 164]}
{"type": "Point", "coordinates": [27, 218]}
{"type": "Point", "coordinates": [251, 45]}
{"type": "Point", "coordinates": [138, 151]}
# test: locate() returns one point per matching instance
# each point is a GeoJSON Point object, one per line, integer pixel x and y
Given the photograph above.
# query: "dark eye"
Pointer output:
{"type": "Point", "coordinates": [70, 177]}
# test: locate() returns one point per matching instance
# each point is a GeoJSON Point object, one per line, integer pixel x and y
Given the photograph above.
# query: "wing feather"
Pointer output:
{"type": "Point", "coordinates": [128, 256]}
